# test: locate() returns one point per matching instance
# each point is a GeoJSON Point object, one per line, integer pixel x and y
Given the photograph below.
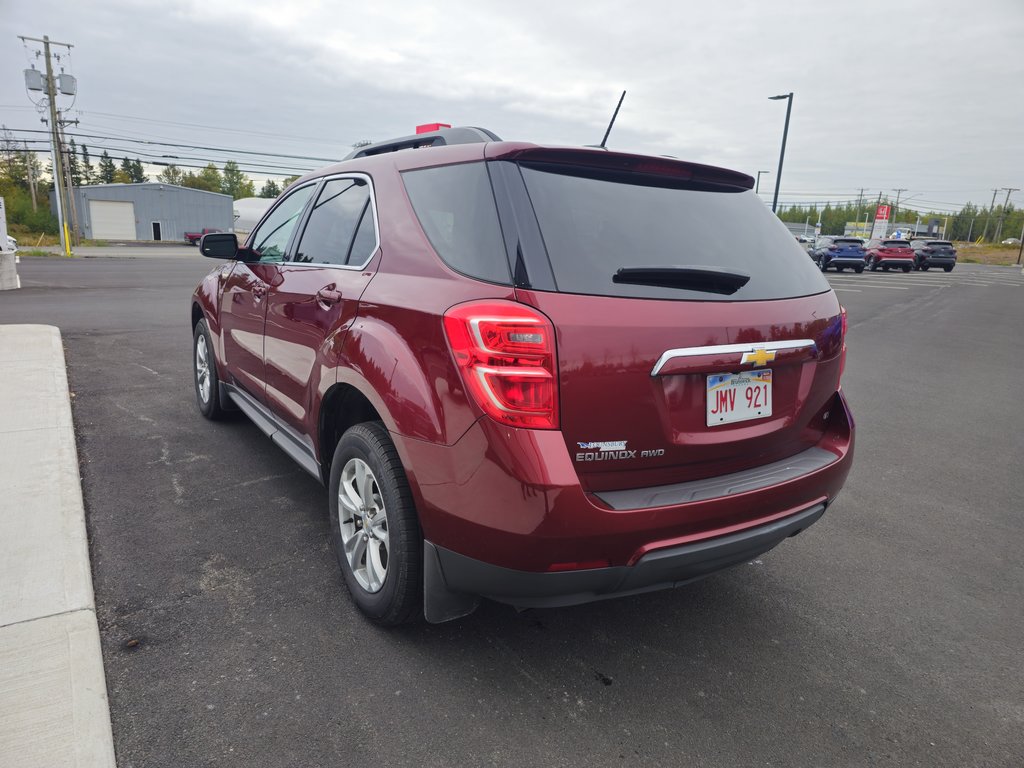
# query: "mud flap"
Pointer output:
{"type": "Point", "coordinates": [440, 604]}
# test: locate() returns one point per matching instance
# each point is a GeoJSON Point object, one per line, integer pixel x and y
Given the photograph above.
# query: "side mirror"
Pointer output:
{"type": "Point", "coordinates": [219, 245]}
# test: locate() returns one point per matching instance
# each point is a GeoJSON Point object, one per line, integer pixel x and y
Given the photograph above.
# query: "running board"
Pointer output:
{"type": "Point", "coordinates": [279, 433]}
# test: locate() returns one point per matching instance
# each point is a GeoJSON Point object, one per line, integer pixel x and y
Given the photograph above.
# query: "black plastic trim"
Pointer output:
{"type": "Point", "coordinates": [777, 472]}
{"type": "Point", "coordinates": [281, 434]}
{"type": "Point", "coordinates": [660, 569]}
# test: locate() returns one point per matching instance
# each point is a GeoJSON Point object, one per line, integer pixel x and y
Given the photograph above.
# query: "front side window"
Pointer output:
{"type": "Point", "coordinates": [271, 238]}
{"type": "Point", "coordinates": [340, 228]}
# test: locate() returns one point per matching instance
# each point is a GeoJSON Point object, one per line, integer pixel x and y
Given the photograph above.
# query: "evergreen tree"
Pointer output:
{"type": "Point", "coordinates": [74, 171]}
{"type": "Point", "coordinates": [289, 181]}
{"type": "Point", "coordinates": [137, 174]}
{"type": "Point", "coordinates": [107, 169]}
{"type": "Point", "coordinates": [88, 172]}
{"type": "Point", "coordinates": [270, 189]}
{"type": "Point", "coordinates": [126, 170]}
{"type": "Point", "coordinates": [236, 183]}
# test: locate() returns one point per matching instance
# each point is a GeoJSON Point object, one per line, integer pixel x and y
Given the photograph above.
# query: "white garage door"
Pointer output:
{"type": "Point", "coordinates": [112, 221]}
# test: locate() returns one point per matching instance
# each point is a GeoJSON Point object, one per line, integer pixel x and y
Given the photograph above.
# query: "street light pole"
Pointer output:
{"type": "Point", "coordinates": [757, 187]}
{"type": "Point", "coordinates": [782, 154]}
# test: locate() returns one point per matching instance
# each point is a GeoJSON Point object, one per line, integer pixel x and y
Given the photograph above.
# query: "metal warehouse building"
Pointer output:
{"type": "Point", "coordinates": [150, 211]}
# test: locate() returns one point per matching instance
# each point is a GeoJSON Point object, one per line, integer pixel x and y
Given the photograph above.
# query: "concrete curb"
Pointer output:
{"type": "Point", "coordinates": [53, 697]}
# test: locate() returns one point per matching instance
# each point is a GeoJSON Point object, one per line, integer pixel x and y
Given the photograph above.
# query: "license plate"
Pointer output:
{"type": "Point", "coordinates": [739, 396]}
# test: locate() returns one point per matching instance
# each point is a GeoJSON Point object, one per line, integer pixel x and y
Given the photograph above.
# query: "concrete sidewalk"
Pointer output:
{"type": "Point", "coordinates": [53, 698]}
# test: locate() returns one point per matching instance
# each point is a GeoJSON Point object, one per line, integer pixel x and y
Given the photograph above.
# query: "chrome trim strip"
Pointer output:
{"type": "Point", "coordinates": [729, 349]}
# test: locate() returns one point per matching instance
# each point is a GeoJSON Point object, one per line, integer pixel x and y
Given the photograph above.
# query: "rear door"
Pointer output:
{"type": "Point", "coordinates": [315, 300]}
{"type": "Point", "coordinates": [648, 337]}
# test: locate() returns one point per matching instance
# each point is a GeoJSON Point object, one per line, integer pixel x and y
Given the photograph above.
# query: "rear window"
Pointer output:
{"type": "Point", "coordinates": [849, 242]}
{"type": "Point", "coordinates": [940, 243]}
{"type": "Point", "coordinates": [593, 225]}
{"type": "Point", "coordinates": [895, 244]}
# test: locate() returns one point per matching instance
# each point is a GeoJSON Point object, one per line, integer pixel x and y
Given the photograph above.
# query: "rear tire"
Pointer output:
{"type": "Point", "coordinates": [858, 270]}
{"type": "Point", "coordinates": [204, 373]}
{"type": "Point", "coordinates": [947, 269]}
{"type": "Point", "coordinates": [822, 265]}
{"type": "Point", "coordinates": [906, 269]}
{"type": "Point", "coordinates": [374, 527]}
{"type": "Point", "coordinates": [873, 266]}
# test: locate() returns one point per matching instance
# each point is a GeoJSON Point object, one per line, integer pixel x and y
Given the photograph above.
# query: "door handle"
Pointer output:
{"type": "Point", "coordinates": [328, 296]}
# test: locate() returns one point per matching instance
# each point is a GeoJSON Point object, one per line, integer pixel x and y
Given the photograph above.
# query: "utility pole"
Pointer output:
{"type": "Point", "coordinates": [58, 169]}
{"type": "Point", "coordinates": [75, 236]}
{"type": "Point", "coordinates": [896, 208]}
{"type": "Point", "coordinates": [1002, 213]}
{"type": "Point", "coordinates": [991, 210]}
{"type": "Point", "coordinates": [30, 165]}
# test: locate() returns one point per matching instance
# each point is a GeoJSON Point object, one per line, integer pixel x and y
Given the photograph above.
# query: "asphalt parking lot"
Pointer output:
{"type": "Point", "coordinates": [887, 634]}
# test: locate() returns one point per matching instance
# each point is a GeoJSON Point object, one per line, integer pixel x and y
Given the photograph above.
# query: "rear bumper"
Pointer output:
{"type": "Point", "coordinates": [513, 499]}
{"type": "Point", "coordinates": [661, 569]}
{"type": "Point", "coordinates": [908, 262]}
{"type": "Point", "coordinates": [845, 261]}
{"type": "Point", "coordinates": [936, 262]}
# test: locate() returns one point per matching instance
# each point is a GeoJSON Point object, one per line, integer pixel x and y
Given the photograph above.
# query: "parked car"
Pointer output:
{"type": "Point", "coordinates": [528, 373]}
{"type": "Point", "coordinates": [1011, 241]}
{"type": "Point", "coordinates": [933, 253]}
{"type": "Point", "coordinates": [193, 238]}
{"type": "Point", "coordinates": [889, 254]}
{"type": "Point", "coordinates": [839, 252]}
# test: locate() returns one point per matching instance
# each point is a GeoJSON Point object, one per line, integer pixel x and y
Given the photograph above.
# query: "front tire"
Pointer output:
{"type": "Point", "coordinates": [374, 527]}
{"type": "Point", "coordinates": [204, 373]}
{"type": "Point", "coordinates": [873, 266]}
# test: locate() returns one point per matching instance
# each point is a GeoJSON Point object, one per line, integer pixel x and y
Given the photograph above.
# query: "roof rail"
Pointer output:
{"type": "Point", "coordinates": [462, 135]}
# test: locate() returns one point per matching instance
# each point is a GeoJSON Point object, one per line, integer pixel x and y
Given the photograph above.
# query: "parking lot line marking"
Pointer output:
{"type": "Point", "coordinates": [848, 290]}
{"type": "Point", "coordinates": [884, 287]}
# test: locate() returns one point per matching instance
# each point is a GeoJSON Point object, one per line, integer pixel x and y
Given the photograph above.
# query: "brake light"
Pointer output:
{"type": "Point", "coordinates": [505, 353]}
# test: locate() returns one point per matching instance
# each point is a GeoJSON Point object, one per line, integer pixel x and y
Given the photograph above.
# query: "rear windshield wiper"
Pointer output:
{"type": "Point", "coordinates": [705, 279]}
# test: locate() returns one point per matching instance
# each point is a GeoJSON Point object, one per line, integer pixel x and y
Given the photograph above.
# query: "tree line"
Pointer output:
{"type": "Point", "coordinates": [970, 223]}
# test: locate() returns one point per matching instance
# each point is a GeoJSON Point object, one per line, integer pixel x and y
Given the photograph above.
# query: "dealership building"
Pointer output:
{"type": "Point", "coordinates": [150, 211]}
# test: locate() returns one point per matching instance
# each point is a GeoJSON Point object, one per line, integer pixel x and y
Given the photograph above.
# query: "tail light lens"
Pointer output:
{"type": "Point", "coordinates": [505, 353]}
{"type": "Point", "coordinates": [842, 354]}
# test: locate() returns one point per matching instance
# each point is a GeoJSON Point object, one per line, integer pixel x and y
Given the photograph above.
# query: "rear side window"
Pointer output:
{"type": "Point", "coordinates": [340, 227]}
{"type": "Point", "coordinates": [455, 208]}
{"type": "Point", "coordinates": [594, 226]}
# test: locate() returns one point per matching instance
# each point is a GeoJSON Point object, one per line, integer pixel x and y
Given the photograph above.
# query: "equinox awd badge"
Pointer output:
{"type": "Point", "coordinates": [612, 450]}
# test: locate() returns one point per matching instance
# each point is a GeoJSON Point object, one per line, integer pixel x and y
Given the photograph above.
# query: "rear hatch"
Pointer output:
{"type": "Point", "coordinates": [666, 280]}
{"type": "Point", "coordinates": [896, 249]}
{"type": "Point", "coordinates": [847, 249]}
{"type": "Point", "coordinates": [939, 249]}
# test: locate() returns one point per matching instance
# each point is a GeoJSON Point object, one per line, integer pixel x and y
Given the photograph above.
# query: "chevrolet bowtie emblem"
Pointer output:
{"type": "Point", "coordinates": [758, 357]}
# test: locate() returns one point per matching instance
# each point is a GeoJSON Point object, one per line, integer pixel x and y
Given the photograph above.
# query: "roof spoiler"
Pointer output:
{"type": "Point", "coordinates": [443, 137]}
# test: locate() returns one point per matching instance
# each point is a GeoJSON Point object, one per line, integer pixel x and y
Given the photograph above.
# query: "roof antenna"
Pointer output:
{"type": "Point", "coordinates": [616, 114]}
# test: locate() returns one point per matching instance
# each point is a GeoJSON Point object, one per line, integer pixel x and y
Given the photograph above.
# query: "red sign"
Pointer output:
{"type": "Point", "coordinates": [882, 213]}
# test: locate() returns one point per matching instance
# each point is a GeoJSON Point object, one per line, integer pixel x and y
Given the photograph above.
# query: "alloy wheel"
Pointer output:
{"type": "Point", "coordinates": [363, 521]}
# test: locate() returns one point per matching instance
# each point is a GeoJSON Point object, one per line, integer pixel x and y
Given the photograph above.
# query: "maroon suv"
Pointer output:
{"type": "Point", "coordinates": [533, 374]}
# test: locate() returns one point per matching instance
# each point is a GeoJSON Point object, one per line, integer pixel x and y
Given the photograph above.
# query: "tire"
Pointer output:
{"type": "Point", "coordinates": [822, 265]}
{"type": "Point", "coordinates": [906, 269]}
{"type": "Point", "coordinates": [204, 374]}
{"type": "Point", "coordinates": [947, 269]}
{"type": "Point", "coordinates": [366, 471]}
{"type": "Point", "coordinates": [873, 266]}
{"type": "Point", "coordinates": [858, 270]}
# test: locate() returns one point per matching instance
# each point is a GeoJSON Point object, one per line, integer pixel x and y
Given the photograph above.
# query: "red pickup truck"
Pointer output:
{"type": "Point", "coordinates": [193, 238]}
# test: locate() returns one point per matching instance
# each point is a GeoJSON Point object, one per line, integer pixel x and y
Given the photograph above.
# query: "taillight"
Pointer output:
{"type": "Point", "coordinates": [505, 353]}
{"type": "Point", "coordinates": [842, 354]}
{"type": "Point", "coordinates": [927, 250]}
{"type": "Point", "coordinates": [833, 247]}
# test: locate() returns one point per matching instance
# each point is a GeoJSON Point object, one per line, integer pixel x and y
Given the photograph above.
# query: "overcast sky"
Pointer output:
{"type": "Point", "coordinates": [923, 95]}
